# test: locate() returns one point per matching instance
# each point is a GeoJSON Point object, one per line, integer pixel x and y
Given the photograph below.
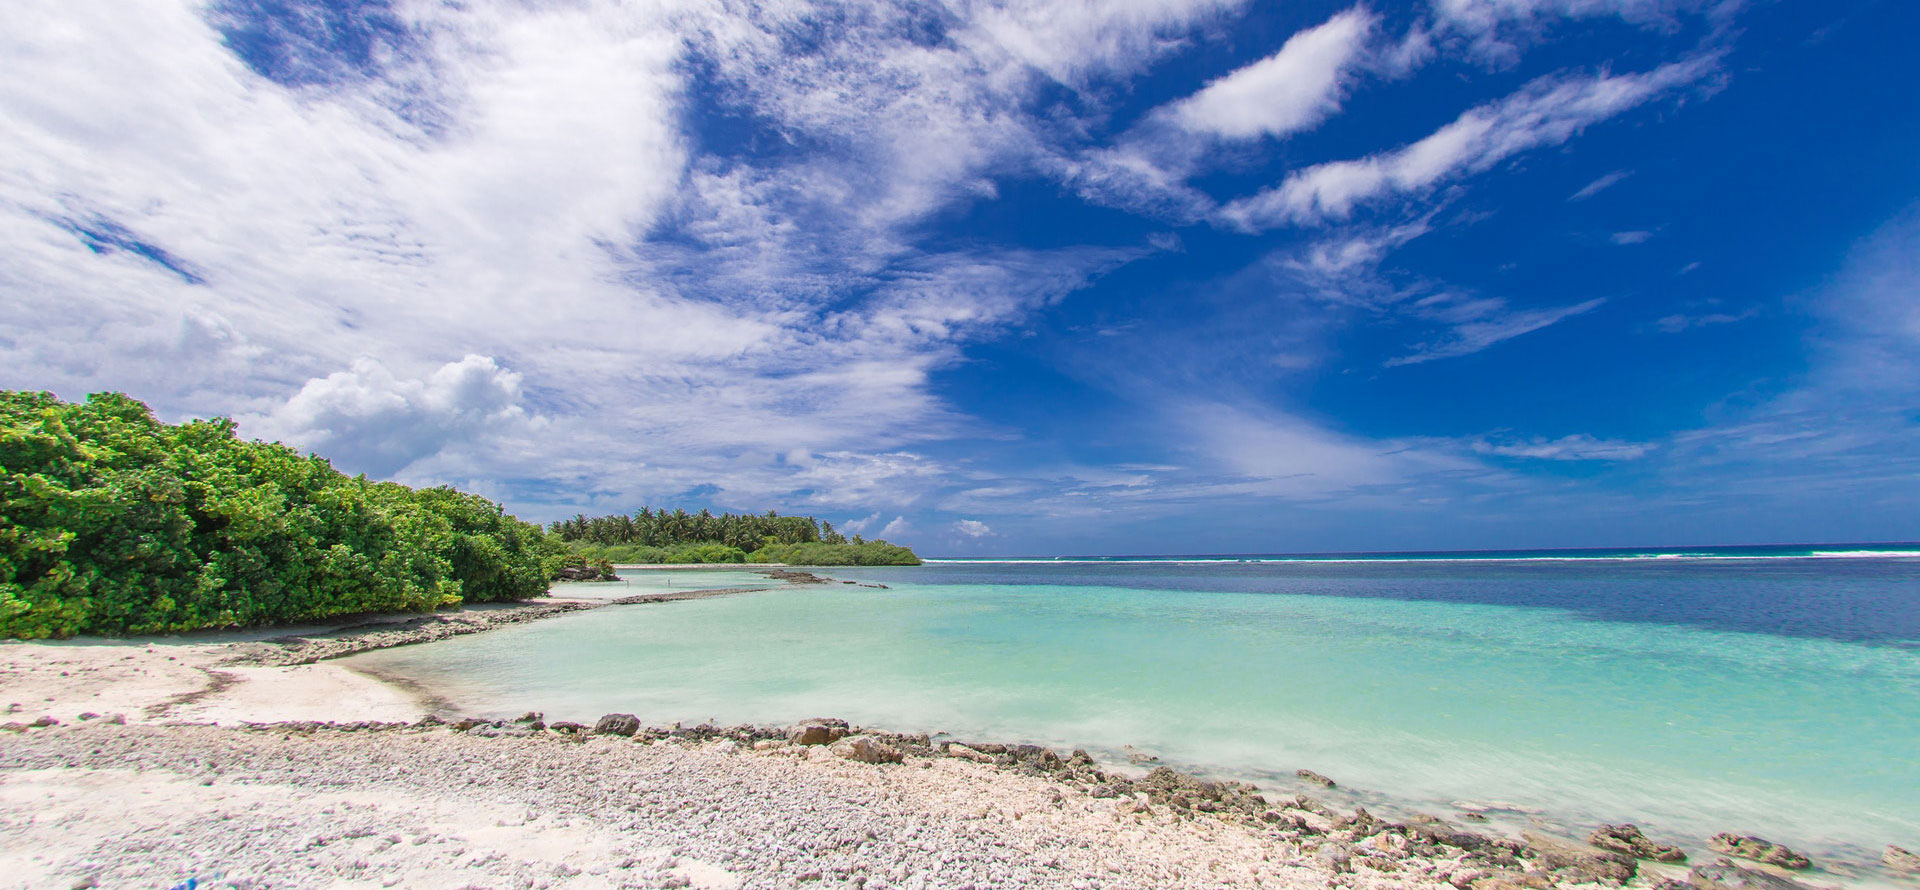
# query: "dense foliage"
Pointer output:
{"type": "Point", "coordinates": [113, 522]}
{"type": "Point", "coordinates": [670, 531]}
{"type": "Point", "coordinates": [660, 536]}
{"type": "Point", "coordinates": [865, 553]}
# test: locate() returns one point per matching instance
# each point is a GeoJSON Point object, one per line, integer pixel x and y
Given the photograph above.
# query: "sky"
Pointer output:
{"type": "Point", "coordinates": [1030, 277]}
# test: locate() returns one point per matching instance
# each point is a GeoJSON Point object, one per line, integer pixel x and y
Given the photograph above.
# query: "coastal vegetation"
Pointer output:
{"type": "Point", "coordinates": [114, 522]}
{"type": "Point", "coordinates": [662, 536]}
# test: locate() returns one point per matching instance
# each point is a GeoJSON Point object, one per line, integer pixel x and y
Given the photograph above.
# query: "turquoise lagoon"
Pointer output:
{"type": "Point", "coordinates": [1774, 696]}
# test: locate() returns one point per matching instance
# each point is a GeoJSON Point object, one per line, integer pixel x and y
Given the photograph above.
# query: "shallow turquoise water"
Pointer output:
{"type": "Point", "coordinates": [1412, 701]}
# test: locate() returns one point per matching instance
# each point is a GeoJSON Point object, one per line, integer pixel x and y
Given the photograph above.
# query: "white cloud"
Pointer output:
{"type": "Point", "coordinates": [517, 184]}
{"type": "Point", "coordinates": [1574, 447]}
{"type": "Point", "coordinates": [1599, 185]}
{"type": "Point", "coordinates": [972, 528]}
{"type": "Point", "coordinates": [1638, 236]}
{"type": "Point", "coordinates": [1548, 111]}
{"type": "Point", "coordinates": [1677, 322]}
{"type": "Point", "coordinates": [370, 420]}
{"type": "Point", "coordinates": [1497, 30]}
{"type": "Point", "coordinates": [1478, 324]}
{"type": "Point", "coordinates": [1292, 90]}
{"type": "Point", "coordinates": [1072, 39]}
{"type": "Point", "coordinates": [895, 528]}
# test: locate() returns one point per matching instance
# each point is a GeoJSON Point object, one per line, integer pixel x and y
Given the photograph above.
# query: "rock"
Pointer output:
{"type": "Point", "coordinates": [955, 749]}
{"type": "Point", "coordinates": [586, 572]}
{"type": "Point", "coordinates": [1627, 839]}
{"type": "Point", "coordinates": [45, 721]}
{"type": "Point", "coordinates": [769, 744]}
{"type": "Point", "coordinates": [1901, 860]}
{"type": "Point", "coordinates": [1314, 778]}
{"type": "Point", "coordinates": [816, 734]}
{"type": "Point", "coordinates": [1758, 850]}
{"type": "Point", "coordinates": [117, 719]}
{"type": "Point", "coordinates": [1336, 857]}
{"type": "Point", "coordinates": [1441, 834]}
{"type": "Point", "coordinates": [617, 724]}
{"type": "Point", "coordinates": [865, 749]}
{"type": "Point", "coordinates": [1504, 879]}
{"type": "Point", "coordinates": [87, 715]}
{"type": "Point", "coordinates": [726, 746]}
{"type": "Point", "coordinates": [1724, 875]}
{"type": "Point", "coordinates": [1585, 863]}
{"type": "Point", "coordinates": [567, 727]}
{"type": "Point", "coordinates": [1361, 823]}
{"type": "Point", "coordinates": [488, 730]}
{"type": "Point", "coordinates": [530, 717]}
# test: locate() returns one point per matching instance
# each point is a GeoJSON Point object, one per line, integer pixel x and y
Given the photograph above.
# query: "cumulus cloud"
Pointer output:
{"type": "Point", "coordinates": [368, 420]}
{"type": "Point", "coordinates": [1547, 111]}
{"type": "Point", "coordinates": [972, 528]}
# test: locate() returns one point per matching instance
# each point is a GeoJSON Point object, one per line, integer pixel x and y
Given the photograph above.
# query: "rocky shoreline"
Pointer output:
{"type": "Point", "coordinates": [820, 803]}
{"type": "Point", "coordinates": [308, 648]}
{"type": "Point", "coordinates": [676, 806]}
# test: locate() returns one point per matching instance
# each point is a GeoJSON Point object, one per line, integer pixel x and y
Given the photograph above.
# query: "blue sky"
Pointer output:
{"type": "Point", "coordinates": [1162, 276]}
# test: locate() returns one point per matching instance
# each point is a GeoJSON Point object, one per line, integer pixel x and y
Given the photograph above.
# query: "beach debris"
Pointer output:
{"type": "Point", "coordinates": [865, 749]}
{"type": "Point", "coordinates": [1901, 859]}
{"type": "Point", "coordinates": [1724, 875]}
{"type": "Point", "coordinates": [1579, 861]}
{"type": "Point", "coordinates": [1629, 840]}
{"type": "Point", "coordinates": [821, 731]}
{"type": "Point", "coordinates": [1314, 778]}
{"type": "Point", "coordinates": [617, 724]}
{"type": "Point", "coordinates": [1759, 850]}
{"type": "Point", "coordinates": [1137, 756]}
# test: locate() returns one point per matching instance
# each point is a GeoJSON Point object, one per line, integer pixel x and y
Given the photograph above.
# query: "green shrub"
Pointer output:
{"type": "Point", "coordinates": [112, 522]}
{"type": "Point", "coordinates": [624, 554]}
{"type": "Point", "coordinates": [866, 553]}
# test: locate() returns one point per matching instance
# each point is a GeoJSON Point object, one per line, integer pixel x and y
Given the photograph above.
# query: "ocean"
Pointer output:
{"type": "Point", "coordinates": [1769, 691]}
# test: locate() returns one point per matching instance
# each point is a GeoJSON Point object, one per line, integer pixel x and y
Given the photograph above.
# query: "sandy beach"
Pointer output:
{"type": "Point", "coordinates": [253, 760]}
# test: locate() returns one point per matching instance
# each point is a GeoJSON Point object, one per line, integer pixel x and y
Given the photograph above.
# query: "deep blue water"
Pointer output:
{"type": "Point", "coordinates": [1776, 589]}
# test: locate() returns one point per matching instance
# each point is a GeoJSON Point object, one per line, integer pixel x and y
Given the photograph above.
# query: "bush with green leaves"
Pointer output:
{"type": "Point", "coordinates": [865, 553]}
{"type": "Point", "coordinates": [113, 522]}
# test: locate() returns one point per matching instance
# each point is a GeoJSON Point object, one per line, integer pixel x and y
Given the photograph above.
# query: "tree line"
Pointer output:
{"type": "Point", "coordinates": [676, 536]}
